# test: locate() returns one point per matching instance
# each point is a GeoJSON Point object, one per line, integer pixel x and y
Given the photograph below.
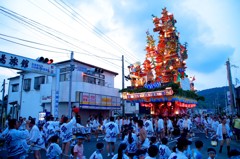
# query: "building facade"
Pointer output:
{"type": "Point", "coordinates": [92, 91]}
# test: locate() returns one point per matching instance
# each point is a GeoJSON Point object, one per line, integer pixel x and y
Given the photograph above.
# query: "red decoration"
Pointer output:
{"type": "Point", "coordinates": [75, 110]}
{"type": "Point", "coordinates": [169, 104]}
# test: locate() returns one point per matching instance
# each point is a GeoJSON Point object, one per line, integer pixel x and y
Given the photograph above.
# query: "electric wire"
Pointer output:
{"type": "Point", "coordinates": [73, 38]}
{"type": "Point", "coordinates": [1, 9]}
{"type": "Point", "coordinates": [52, 50]}
{"type": "Point", "coordinates": [98, 32]}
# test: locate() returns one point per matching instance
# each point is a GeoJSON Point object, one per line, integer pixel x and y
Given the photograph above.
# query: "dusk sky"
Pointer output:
{"type": "Point", "coordinates": [112, 28]}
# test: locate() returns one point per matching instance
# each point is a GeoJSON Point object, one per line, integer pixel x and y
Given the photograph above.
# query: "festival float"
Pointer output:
{"type": "Point", "coordinates": [160, 83]}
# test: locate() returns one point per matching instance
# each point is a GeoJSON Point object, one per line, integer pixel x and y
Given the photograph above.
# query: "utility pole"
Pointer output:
{"type": "Point", "coordinates": [231, 89]}
{"type": "Point", "coordinates": [3, 93]}
{"type": "Point", "coordinates": [70, 86]}
{"type": "Point", "coordinates": [123, 104]}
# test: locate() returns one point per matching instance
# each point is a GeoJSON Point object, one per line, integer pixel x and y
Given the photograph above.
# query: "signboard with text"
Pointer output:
{"type": "Point", "coordinates": [97, 99]}
{"type": "Point", "coordinates": [26, 64]}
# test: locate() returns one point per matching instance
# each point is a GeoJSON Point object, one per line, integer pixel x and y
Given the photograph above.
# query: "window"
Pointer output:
{"type": "Point", "coordinates": [15, 87]}
{"type": "Point", "coordinates": [64, 77]}
{"type": "Point", "coordinates": [38, 81]}
{"type": "Point", "coordinates": [94, 80]}
{"type": "Point", "coordinates": [27, 84]}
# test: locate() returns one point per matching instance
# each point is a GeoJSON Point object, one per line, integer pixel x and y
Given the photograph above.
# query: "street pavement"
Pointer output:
{"type": "Point", "coordinates": [89, 147]}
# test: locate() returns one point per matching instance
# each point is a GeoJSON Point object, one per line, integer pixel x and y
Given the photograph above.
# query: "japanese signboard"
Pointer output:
{"type": "Point", "coordinates": [100, 100]}
{"type": "Point", "coordinates": [26, 64]}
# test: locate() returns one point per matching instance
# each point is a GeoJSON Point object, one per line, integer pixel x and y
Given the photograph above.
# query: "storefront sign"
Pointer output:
{"type": "Point", "coordinates": [46, 99]}
{"type": "Point", "coordinates": [98, 100]}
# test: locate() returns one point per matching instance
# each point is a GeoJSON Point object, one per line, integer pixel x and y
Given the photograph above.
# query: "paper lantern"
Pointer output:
{"type": "Point", "coordinates": [75, 110]}
{"type": "Point", "coordinates": [169, 104]}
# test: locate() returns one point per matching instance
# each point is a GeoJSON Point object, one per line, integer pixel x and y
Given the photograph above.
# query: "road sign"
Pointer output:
{"type": "Point", "coordinates": [25, 64]}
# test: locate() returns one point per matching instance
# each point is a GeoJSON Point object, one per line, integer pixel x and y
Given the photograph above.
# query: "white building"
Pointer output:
{"type": "Point", "coordinates": [94, 93]}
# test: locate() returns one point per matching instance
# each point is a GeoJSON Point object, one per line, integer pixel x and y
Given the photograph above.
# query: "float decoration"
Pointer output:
{"type": "Point", "coordinates": [163, 68]}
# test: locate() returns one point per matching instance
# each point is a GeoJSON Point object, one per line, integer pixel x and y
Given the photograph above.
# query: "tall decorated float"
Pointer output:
{"type": "Point", "coordinates": [160, 83]}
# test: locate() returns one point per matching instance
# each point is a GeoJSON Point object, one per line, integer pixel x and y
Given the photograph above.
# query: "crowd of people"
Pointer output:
{"type": "Point", "coordinates": [140, 138]}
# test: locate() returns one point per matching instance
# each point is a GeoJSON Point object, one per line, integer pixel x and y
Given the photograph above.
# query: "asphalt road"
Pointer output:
{"type": "Point", "coordinates": [89, 147]}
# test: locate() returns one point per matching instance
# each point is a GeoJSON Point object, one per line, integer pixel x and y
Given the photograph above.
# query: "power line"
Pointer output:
{"type": "Point", "coordinates": [22, 20]}
{"type": "Point", "coordinates": [73, 38]}
{"type": "Point", "coordinates": [98, 32]}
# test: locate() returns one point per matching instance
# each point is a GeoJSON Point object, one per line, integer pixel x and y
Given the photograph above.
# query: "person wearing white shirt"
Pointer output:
{"type": "Point", "coordinates": [215, 124]}
{"type": "Point", "coordinates": [98, 153]}
{"type": "Point", "coordinates": [121, 152]}
{"type": "Point", "coordinates": [149, 127]}
{"type": "Point", "coordinates": [182, 145]}
{"type": "Point", "coordinates": [112, 131]}
{"type": "Point", "coordinates": [164, 151]}
{"type": "Point", "coordinates": [131, 140]}
{"type": "Point", "coordinates": [180, 124]}
{"type": "Point", "coordinates": [95, 125]}
{"type": "Point", "coordinates": [50, 128]}
{"type": "Point", "coordinates": [160, 127]}
{"type": "Point", "coordinates": [16, 140]}
{"type": "Point", "coordinates": [35, 139]}
{"type": "Point", "coordinates": [66, 133]}
{"type": "Point", "coordinates": [169, 128]}
{"type": "Point", "coordinates": [223, 134]}
{"type": "Point", "coordinates": [186, 124]}
{"type": "Point", "coordinates": [54, 150]}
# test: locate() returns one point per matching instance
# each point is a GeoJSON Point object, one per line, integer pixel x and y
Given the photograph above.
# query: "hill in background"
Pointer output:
{"type": "Point", "coordinates": [215, 98]}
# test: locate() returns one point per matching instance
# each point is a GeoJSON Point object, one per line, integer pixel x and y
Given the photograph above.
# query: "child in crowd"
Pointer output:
{"type": "Point", "coordinates": [78, 148]}
{"type": "Point", "coordinates": [121, 152]}
{"type": "Point", "coordinates": [164, 151]}
{"type": "Point", "coordinates": [152, 152]}
{"type": "Point", "coordinates": [98, 153]}
{"type": "Point", "coordinates": [211, 153]}
{"type": "Point", "coordinates": [54, 150]}
{"type": "Point", "coordinates": [196, 152]}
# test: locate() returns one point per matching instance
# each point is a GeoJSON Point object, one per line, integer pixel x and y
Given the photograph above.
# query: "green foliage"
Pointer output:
{"type": "Point", "coordinates": [214, 97]}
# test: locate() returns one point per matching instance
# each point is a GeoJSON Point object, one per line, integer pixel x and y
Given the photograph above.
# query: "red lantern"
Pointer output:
{"type": "Point", "coordinates": [75, 109]}
{"type": "Point", "coordinates": [169, 104]}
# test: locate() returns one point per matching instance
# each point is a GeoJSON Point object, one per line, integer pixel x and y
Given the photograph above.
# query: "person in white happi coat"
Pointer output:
{"type": "Point", "coordinates": [121, 152]}
{"type": "Point", "coordinates": [54, 150]}
{"type": "Point", "coordinates": [132, 142]}
{"type": "Point", "coordinates": [223, 134]}
{"type": "Point", "coordinates": [95, 126]}
{"type": "Point", "coordinates": [186, 124]}
{"type": "Point", "coordinates": [160, 127]}
{"type": "Point", "coordinates": [16, 140]}
{"type": "Point", "coordinates": [112, 131]}
{"type": "Point", "coordinates": [98, 153]}
{"type": "Point", "coordinates": [169, 128]}
{"type": "Point", "coordinates": [207, 125]}
{"type": "Point", "coordinates": [164, 151]}
{"type": "Point", "coordinates": [149, 127]}
{"type": "Point", "coordinates": [50, 128]}
{"type": "Point", "coordinates": [35, 139]}
{"type": "Point", "coordinates": [215, 124]}
{"type": "Point", "coordinates": [66, 133]}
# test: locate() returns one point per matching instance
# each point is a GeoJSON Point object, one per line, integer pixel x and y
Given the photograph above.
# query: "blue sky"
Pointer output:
{"type": "Point", "coordinates": [210, 27]}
